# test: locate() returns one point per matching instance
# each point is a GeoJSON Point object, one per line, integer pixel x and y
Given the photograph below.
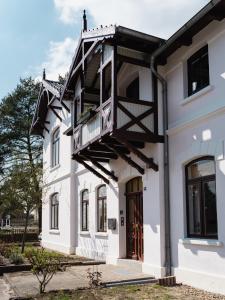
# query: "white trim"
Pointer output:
{"type": "Point", "coordinates": [101, 234]}
{"type": "Point", "coordinates": [202, 92]}
{"type": "Point", "coordinates": [84, 233]}
{"type": "Point", "coordinates": [201, 242]}
{"type": "Point", "coordinates": [194, 121]}
{"type": "Point", "coordinates": [52, 169]}
{"type": "Point", "coordinates": [54, 231]}
{"type": "Point", "coordinates": [57, 180]}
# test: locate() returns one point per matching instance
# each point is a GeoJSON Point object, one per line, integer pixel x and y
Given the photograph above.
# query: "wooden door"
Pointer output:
{"type": "Point", "coordinates": [135, 219]}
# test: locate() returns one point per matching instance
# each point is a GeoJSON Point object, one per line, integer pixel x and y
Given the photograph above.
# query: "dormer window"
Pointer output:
{"type": "Point", "coordinates": [198, 71]}
{"type": "Point", "coordinates": [55, 147]}
{"type": "Point", "coordinates": [132, 90]}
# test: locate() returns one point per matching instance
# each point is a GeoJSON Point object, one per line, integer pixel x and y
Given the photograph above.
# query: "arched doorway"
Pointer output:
{"type": "Point", "coordinates": [134, 204]}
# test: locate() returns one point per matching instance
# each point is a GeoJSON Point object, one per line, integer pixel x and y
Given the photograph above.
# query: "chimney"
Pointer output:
{"type": "Point", "coordinates": [84, 22]}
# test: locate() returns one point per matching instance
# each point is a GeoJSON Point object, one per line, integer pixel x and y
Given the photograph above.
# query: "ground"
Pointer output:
{"type": "Point", "coordinates": [73, 284]}
{"type": "Point", "coordinates": [140, 292]}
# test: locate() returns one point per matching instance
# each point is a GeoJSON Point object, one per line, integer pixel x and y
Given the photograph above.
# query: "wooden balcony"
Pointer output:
{"type": "Point", "coordinates": [116, 126]}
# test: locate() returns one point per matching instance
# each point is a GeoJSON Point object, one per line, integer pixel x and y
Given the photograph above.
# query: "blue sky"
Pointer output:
{"type": "Point", "coordinates": [43, 33]}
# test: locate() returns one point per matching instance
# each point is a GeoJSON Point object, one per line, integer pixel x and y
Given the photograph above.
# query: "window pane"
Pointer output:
{"type": "Point", "coordinates": [210, 208]}
{"type": "Point", "coordinates": [194, 207]}
{"type": "Point", "coordinates": [100, 216]}
{"type": "Point", "coordinates": [84, 216]}
{"type": "Point", "coordinates": [102, 191]}
{"type": "Point", "coordinates": [201, 168]}
{"type": "Point", "coordinates": [198, 71]}
{"type": "Point", "coordinates": [105, 215]}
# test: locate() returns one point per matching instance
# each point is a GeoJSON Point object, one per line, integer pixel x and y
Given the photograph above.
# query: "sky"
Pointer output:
{"type": "Point", "coordinates": [37, 34]}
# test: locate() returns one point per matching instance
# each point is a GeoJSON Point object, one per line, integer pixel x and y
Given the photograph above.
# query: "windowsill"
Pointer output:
{"type": "Point", "coordinates": [54, 231]}
{"type": "Point", "coordinates": [201, 242]}
{"type": "Point", "coordinates": [84, 233]}
{"type": "Point", "coordinates": [101, 234]}
{"type": "Point", "coordinates": [200, 93]}
{"type": "Point", "coordinates": [54, 168]}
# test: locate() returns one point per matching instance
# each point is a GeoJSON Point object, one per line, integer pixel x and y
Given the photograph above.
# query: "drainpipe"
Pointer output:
{"type": "Point", "coordinates": [166, 165]}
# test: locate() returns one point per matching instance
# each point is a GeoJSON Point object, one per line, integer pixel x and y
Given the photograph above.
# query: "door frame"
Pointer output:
{"type": "Point", "coordinates": [139, 197]}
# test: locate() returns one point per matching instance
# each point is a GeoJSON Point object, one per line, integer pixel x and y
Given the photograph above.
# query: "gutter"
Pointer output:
{"type": "Point", "coordinates": [166, 165]}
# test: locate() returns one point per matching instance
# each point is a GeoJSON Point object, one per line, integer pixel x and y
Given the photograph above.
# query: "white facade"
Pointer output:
{"type": "Point", "coordinates": [196, 129]}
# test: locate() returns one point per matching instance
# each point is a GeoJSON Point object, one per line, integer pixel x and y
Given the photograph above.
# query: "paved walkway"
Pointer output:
{"type": "Point", "coordinates": [5, 291]}
{"type": "Point", "coordinates": [25, 283]}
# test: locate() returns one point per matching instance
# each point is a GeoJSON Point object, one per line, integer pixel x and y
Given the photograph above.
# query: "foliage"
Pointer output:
{"type": "Point", "coordinates": [20, 152]}
{"type": "Point", "coordinates": [94, 277]}
{"type": "Point", "coordinates": [16, 258]}
{"type": "Point", "coordinates": [45, 265]}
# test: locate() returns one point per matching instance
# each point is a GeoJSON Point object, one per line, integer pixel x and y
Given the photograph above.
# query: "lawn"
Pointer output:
{"type": "Point", "coordinates": [140, 292]}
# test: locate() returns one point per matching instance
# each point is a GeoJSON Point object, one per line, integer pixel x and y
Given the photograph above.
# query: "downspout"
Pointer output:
{"type": "Point", "coordinates": [165, 163]}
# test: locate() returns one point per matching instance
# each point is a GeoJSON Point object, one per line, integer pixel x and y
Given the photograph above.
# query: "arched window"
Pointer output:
{"type": "Point", "coordinates": [84, 210]}
{"type": "Point", "coordinates": [102, 208]}
{"type": "Point", "coordinates": [55, 147]}
{"type": "Point", "coordinates": [54, 211]}
{"type": "Point", "coordinates": [201, 198]}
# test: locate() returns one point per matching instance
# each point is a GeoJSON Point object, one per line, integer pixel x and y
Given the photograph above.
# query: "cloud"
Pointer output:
{"type": "Point", "coordinates": [161, 18]}
{"type": "Point", "coordinates": [58, 58]}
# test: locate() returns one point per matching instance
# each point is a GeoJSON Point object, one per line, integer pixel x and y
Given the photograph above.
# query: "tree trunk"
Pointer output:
{"type": "Point", "coordinates": [25, 231]}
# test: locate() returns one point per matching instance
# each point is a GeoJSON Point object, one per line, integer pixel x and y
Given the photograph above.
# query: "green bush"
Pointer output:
{"type": "Point", "coordinates": [16, 258]}
{"type": "Point", "coordinates": [45, 265]}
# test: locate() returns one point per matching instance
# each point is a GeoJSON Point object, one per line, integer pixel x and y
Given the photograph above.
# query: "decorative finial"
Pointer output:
{"type": "Point", "coordinates": [84, 21]}
{"type": "Point", "coordinates": [44, 74]}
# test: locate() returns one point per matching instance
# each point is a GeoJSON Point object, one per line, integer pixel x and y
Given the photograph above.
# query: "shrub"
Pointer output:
{"type": "Point", "coordinates": [45, 265]}
{"type": "Point", "coordinates": [94, 278]}
{"type": "Point", "coordinates": [16, 258]}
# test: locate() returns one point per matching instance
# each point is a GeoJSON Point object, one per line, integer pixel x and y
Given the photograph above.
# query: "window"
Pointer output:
{"type": "Point", "coordinates": [84, 210]}
{"type": "Point", "coordinates": [132, 90]}
{"type": "Point", "coordinates": [55, 211]}
{"type": "Point", "coordinates": [102, 208]}
{"type": "Point", "coordinates": [201, 198]}
{"type": "Point", "coordinates": [55, 148]}
{"type": "Point", "coordinates": [198, 71]}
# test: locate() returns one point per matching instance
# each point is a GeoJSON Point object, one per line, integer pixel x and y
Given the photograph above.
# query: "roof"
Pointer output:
{"type": "Point", "coordinates": [214, 10]}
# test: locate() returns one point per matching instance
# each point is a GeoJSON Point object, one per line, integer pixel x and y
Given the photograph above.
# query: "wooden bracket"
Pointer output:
{"type": "Point", "coordinates": [88, 167]}
{"type": "Point", "coordinates": [103, 169]}
{"type": "Point", "coordinates": [57, 115]}
{"type": "Point", "coordinates": [149, 161]}
{"type": "Point", "coordinates": [56, 107]}
{"type": "Point", "coordinates": [126, 158]}
{"type": "Point", "coordinates": [65, 106]}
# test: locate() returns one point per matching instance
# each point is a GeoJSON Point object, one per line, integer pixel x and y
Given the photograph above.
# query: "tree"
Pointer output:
{"type": "Point", "coordinates": [18, 148]}
{"type": "Point", "coordinates": [44, 264]}
{"type": "Point", "coordinates": [19, 192]}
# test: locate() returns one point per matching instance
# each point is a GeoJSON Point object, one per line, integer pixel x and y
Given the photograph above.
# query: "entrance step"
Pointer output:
{"type": "Point", "coordinates": [131, 264]}
{"type": "Point", "coordinates": [131, 282]}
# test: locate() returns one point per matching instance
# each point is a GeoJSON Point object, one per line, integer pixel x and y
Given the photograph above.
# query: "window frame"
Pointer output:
{"type": "Point", "coordinates": [103, 201]}
{"type": "Point", "coordinates": [55, 155]}
{"type": "Point", "coordinates": [54, 212]}
{"type": "Point", "coordinates": [198, 55]}
{"type": "Point", "coordinates": [86, 202]}
{"type": "Point", "coordinates": [200, 180]}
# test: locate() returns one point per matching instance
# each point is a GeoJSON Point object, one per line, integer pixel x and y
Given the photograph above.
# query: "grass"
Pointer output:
{"type": "Point", "coordinates": [130, 292]}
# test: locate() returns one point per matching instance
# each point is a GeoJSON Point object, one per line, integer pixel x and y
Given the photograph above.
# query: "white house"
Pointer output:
{"type": "Point", "coordinates": [134, 165]}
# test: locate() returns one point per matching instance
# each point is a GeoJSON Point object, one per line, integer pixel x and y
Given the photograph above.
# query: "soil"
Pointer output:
{"type": "Point", "coordinates": [140, 292]}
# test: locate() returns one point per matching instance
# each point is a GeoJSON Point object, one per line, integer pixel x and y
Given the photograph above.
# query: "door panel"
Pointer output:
{"type": "Point", "coordinates": [135, 226]}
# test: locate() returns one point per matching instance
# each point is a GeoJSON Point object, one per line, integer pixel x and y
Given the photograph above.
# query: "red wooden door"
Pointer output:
{"type": "Point", "coordinates": [135, 220]}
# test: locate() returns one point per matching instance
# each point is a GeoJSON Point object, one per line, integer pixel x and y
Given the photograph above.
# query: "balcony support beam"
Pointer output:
{"type": "Point", "coordinates": [149, 161]}
{"type": "Point", "coordinates": [103, 169]}
{"type": "Point", "coordinates": [92, 170]}
{"type": "Point", "coordinates": [126, 158]}
{"type": "Point", "coordinates": [55, 113]}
